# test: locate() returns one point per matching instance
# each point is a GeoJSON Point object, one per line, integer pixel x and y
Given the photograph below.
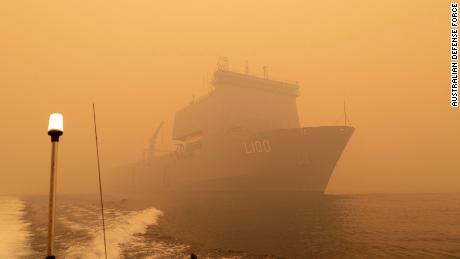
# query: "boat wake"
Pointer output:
{"type": "Point", "coordinates": [15, 231]}
{"type": "Point", "coordinates": [121, 228]}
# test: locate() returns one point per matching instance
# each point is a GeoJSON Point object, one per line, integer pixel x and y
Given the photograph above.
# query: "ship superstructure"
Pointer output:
{"type": "Point", "coordinates": [244, 136]}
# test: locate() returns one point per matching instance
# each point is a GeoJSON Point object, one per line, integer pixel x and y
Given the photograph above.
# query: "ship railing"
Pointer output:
{"type": "Point", "coordinates": [261, 76]}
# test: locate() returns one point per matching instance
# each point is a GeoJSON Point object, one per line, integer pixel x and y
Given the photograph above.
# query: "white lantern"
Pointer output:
{"type": "Point", "coordinates": [56, 123]}
{"type": "Point", "coordinates": [55, 126]}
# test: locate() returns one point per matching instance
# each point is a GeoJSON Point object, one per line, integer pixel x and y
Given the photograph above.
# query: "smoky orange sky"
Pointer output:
{"type": "Point", "coordinates": [140, 61]}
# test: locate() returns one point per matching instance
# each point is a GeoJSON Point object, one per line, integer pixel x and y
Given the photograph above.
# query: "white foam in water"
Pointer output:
{"type": "Point", "coordinates": [119, 230]}
{"type": "Point", "coordinates": [14, 230]}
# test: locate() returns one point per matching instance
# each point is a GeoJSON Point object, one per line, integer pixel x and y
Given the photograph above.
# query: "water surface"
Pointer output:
{"type": "Point", "coordinates": [229, 225]}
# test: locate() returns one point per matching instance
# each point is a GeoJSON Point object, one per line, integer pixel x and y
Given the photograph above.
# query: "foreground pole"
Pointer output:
{"type": "Point", "coordinates": [55, 130]}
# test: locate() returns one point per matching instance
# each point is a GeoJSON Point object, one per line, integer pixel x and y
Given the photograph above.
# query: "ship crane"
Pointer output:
{"type": "Point", "coordinates": [153, 141]}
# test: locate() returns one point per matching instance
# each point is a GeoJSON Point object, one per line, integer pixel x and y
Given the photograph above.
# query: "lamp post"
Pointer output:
{"type": "Point", "coordinates": [55, 130]}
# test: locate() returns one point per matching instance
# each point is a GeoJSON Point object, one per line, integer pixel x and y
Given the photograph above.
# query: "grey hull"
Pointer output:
{"type": "Point", "coordinates": [298, 159]}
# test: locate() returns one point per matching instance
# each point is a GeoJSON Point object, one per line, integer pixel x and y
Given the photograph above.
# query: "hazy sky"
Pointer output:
{"type": "Point", "coordinates": [142, 60]}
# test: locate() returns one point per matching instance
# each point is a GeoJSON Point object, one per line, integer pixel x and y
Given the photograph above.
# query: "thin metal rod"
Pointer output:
{"type": "Point", "coordinates": [100, 182]}
{"type": "Point", "coordinates": [52, 198]}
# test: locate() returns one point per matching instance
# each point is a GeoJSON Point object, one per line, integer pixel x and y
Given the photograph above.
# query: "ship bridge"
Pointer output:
{"type": "Point", "coordinates": [239, 101]}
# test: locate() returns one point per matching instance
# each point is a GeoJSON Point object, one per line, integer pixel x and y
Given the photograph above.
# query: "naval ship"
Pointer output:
{"type": "Point", "coordinates": [244, 135]}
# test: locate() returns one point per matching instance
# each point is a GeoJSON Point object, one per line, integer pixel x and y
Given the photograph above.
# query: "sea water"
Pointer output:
{"type": "Point", "coordinates": [244, 225]}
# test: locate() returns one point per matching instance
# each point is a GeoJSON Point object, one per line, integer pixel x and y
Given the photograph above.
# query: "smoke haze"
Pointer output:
{"type": "Point", "coordinates": [140, 61]}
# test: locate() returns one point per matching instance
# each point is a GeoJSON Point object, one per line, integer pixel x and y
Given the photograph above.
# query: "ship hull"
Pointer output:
{"type": "Point", "coordinates": [298, 159]}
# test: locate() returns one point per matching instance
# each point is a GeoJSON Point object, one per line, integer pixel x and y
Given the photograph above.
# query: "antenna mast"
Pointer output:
{"type": "Point", "coordinates": [222, 64]}
{"type": "Point", "coordinates": [265, 72]}
{"type": "Point", "coordinates": [100, 182]}
{"type": "Point", "coordinates": [345, 113]}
